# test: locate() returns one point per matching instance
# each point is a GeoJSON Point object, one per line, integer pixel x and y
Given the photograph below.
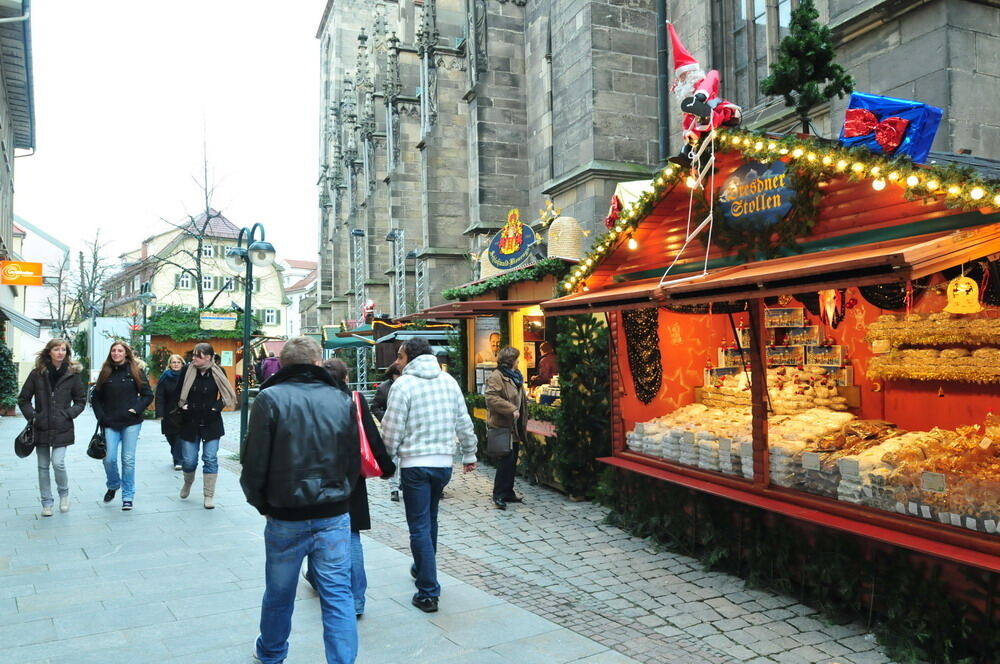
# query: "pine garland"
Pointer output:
{"type": "Point", "coordinates": [181, 324]}
{"type": "Point", "coordinates": [554, 266]}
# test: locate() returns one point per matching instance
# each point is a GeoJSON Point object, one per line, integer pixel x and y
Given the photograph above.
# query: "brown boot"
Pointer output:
{"type": "Point", "coordinates": [188, 481]}
{"type": "Point", "coordinates": [209, 480]}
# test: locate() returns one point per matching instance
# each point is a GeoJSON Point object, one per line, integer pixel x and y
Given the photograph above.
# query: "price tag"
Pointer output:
{"type": "Point", "coordinates": [944, 517]}
{"type": "Point", "coordinates": [956, 519]}
{"type": "Point", "coordinates": [900, 508]}
{"type": "Point", "coordinates": [911, 507]}
{"type": "Point", "coordinates": [990, 525]}
{"type": "Point", "coordinates": [925, 511]}
{"type": "Point", "coordinates": [970, 522]}
{"type": "Point", "coordinates": [936, 482]}
{"type": "Point", "coordinates": [880, 346]}
{"type": "Point", "coordinates": [810, 461]}
{"type": "Point", "coordinates": [746, 449]}
{"type": "Point", "coordinates": [849, 467]}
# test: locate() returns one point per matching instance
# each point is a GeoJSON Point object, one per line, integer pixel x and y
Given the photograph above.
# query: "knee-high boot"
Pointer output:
{"type": "Point", "coordinates": [188, 481]}
{"type": "Point", "coordinates": [209, 479]}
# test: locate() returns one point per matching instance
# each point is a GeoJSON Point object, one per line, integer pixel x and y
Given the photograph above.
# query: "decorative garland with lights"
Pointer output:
{"type": "Point", "coordinates": [554, 266]}
{"type": "Point", "coordinates": [960, 188]}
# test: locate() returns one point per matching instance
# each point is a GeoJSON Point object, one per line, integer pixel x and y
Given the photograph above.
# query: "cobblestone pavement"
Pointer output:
{"type": "Point", "coordinates": [557, 559]}
{"type": "Point", "coordinates": [545, 582]}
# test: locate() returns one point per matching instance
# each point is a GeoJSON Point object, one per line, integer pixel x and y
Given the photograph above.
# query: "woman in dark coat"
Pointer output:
{"type": "Point", "coordinates": [204, 392]}
{"type": "Point", "coordinates": [360, 518]}
{"type": "Point", "coordinates": [379, 402]}
{"type": "Point", "coordinates": [120, 396]}
{"type": "Point", "coordinates": [54, 386]}
{"type": "Point", "coordinates": [168, 390]}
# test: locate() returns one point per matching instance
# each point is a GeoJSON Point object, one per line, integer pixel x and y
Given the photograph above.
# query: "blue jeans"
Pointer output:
{"type": "Point", "coordinates": [422, 488]}
{"type": "Point", "coordinates": [127, 439]}
{"type": "Point", "coordinates": [326, 542]}
{"type": "Point", "coordinates": [359, 580]}
{"type": "Point", "coordinates": [209, 456]}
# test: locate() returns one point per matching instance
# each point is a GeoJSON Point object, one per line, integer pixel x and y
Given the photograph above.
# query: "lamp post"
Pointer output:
{"type": "Point", "coordinates": [146, 297]}
{"type": "Point", "coordinates": [242, 259]}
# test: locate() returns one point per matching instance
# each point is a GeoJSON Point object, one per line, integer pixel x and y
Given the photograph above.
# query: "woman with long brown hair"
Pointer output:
{"type": "Point", "coordinates": [54, 386]}
{"type": "Point", "coordinates": [120, 396]}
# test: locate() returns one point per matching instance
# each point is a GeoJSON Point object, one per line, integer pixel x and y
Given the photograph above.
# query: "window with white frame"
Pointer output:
{"type": "Point", "coordinates": [208, 251]}
{"type": "Point", "coordinates": [229, 284]}
{"type": "Point", "coordinates": [206, 282]}
{"type": "Point", "coordinates": [184, 281]}
{"type": "Point", "coordinates": [135, 283]}
{"type": "Point", "coordinates": [270, 317]}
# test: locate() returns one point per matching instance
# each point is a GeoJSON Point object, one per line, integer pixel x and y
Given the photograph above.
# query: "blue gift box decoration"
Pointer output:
{"type": "Point", "coordinates": [890, 126]}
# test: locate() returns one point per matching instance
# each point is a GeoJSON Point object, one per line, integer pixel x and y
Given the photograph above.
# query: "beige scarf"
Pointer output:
{"type": "Point", "coordinates": [225, 389]}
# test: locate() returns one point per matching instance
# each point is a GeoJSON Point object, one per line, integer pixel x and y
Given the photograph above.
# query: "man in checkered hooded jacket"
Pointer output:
{"type": "Point", "coordinates": [425, 413]}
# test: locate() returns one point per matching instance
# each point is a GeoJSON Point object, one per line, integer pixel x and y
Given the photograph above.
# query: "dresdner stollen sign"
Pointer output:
{"type": "Point", "coordinates": [757, 194]}
{"type": "Point", "coordinates": [511, 247]}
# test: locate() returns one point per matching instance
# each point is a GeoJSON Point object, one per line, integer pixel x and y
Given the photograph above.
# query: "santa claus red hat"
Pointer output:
{"type": "Point", "coordinates": [683, 61]}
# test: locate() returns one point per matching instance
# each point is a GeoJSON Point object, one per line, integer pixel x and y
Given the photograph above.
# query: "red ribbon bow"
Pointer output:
{"type": "Point", "coordinates": [888, 132]}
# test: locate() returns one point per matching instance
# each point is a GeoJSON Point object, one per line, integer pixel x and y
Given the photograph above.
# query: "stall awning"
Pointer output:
{"type": "Point", "coordinates": [882, 262]}
{"type": "Point", "coordinates": [20, 321]}
{"type": "Point", "coordinates": [469, 309]}
{"type": "Point", "coordinates": [336, 343]}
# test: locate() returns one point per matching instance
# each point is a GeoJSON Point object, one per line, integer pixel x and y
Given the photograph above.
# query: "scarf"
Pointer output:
{"type": "Point", "coordinates": [514, 375]}
{"type": "Point", "coordinates": [225, 389]}
{"type": "Point", "coordinates": [169, 373]}
{"type": "Point", "coordinates": [54, 373]}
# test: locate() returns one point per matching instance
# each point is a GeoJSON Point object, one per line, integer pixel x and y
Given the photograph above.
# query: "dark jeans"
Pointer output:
{"type": "Point", "coordinates": [422, 489]}
{"type": "Point", "coordinates": [176, 448]}
{"type": "Point", "coordinates": [503, 482]}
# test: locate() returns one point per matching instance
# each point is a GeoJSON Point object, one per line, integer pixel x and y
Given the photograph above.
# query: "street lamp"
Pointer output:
{"type": "Point", "coordinates": [146, 296]}
{"type": "Point", "coordinates": [243, 259]}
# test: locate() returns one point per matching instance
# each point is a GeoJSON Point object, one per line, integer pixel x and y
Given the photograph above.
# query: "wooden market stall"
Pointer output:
{"type": "Point", "coordinates": [836, 362]}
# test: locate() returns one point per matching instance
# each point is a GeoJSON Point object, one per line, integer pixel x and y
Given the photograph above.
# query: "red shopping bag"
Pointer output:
{"type": "Point", "coordinates": [369, 466]}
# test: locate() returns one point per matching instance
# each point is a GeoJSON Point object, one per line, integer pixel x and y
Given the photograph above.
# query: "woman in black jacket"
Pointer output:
{"type": "Point", "coordinates": [379, 402]}
{"type": "Point", "coordinates": [360, 517]}
{"type": "Point", "coordinates": [204, 392]}
{"type": "Point", "coordinates": [168, 391]}
{"type": "Point", "coordinates": [54, 385]}
{"type": "Point", "coordinates": [120, 397]}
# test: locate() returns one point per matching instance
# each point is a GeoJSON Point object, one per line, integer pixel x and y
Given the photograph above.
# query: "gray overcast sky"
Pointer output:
{"type": "Point", "coordinates": [125, 91]}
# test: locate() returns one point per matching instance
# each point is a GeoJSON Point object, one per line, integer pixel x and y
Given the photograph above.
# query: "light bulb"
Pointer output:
{"type": "Point", "coordinates": [759, 145]}
{"type": "Point", "coordinates": [771, 146]}
{"type": "Point", "coordinates": [857, 167]}
{"type": "Point", "coordinates": [783, 151]}
{"type": "Point", "coordinates": [811, 156]}
{"type": "Point", "coordinates": [797, 152]}
{"type": "Point", "coordinates": [878, 184]}
{"type": "Point", "coordinates": [827, 160]}
{"type": "Point", "coordinates": [954, 190]}
{"type": "Point", "coordinates": [933, 185]}
{"type": "Point", "coordinates": [875, 170]}
{"type": "Point", "coordinates": [894, 175]}
{"type": "Point", "coordinates": [633, 244]}
{"type": "Point", "coordinates": [691, 182]}
{"type": "Point", "coordinates": [977, 193]}
{"type": "Point", "coordinates": [841, 165]}
{"type": "Point", "coordinates": [912, 181]}
{"type": "Point", "coordinates": [996, 200]}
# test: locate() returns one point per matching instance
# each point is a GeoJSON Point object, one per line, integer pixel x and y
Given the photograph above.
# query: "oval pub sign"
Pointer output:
{"type": "Point", "coordinates": [511, 247]}
{"type": "Point", "coordinates": [757, 194]}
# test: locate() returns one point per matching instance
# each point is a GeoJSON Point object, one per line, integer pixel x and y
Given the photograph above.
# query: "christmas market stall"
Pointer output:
{"type": "Point", "coordinates": [812, 329]}
{"type": "Point", "coordinates": [520, 268]}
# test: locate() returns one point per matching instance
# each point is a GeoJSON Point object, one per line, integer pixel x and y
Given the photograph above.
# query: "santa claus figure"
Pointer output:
{"type": "Point", "coordinates": [698, 93]}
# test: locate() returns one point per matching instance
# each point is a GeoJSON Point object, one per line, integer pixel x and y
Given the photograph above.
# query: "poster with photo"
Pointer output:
{"type": "Point", "coordinates": [487, 339]}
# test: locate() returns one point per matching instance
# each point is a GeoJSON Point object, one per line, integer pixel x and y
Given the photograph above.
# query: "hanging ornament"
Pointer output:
{"type": "Point", "coordinates": [642, 341]}
{"type": "Point", "coordinates": [963, 296]}
{"type": "Point", "coordinates": [832, 306]}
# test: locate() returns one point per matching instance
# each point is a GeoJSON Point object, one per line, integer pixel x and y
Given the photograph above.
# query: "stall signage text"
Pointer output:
{"type": "Point", "coordinates": [20, 273]}
{"type": "Point", "coordinates": [511, 247]}
{"type": "Point", "coordinates": [757, 194]}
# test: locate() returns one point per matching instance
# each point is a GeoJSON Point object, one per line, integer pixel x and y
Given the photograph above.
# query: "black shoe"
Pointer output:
{"type": "Point", "coordinates": [500, 503]}
{"type": "Point", "coordinates": [697, 106]}
{"type": "Point", "coordinates": [425, 604]}
{"type": "Point", "coordinates": [109, 495]}
{"type": "Point", "coordinates": [685, 158]}
{"type": "Point", "coordinates": [514, 499]}
{"type": "Point", "coordinates": [394, 496]}
{"type": "Point", "coordinates": [126, 505]}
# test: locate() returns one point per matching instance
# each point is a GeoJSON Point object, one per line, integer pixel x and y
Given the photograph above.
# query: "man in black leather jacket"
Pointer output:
{"type": "Point", "coordinates": [300, 461]}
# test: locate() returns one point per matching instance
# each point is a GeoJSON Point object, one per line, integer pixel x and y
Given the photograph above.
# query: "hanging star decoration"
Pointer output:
{"type": "Point", "coordinates": [549, 214]}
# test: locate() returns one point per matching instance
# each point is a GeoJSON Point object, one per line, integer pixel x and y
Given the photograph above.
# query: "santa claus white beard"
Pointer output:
{"type": "Point", "coordinates": [685, 87]}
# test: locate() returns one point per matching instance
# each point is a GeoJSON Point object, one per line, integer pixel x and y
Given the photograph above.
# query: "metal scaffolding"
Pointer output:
{"type": "Point", "coordinates": [359, 249]}
{"type": "Point", "coordinates": [397, 237]}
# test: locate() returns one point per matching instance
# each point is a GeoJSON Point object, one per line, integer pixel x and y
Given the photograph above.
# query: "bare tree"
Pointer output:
{"type": "Point", "coordinates": [87, 293]}
{"type": "Point", "coordinates": [60, 303]}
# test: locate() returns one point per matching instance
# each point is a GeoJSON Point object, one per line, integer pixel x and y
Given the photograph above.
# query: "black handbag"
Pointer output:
{"type": "Point", "coordinates": [97, 448]}
{"type": "Point", "coordinates": [499, 441]}
{"type": "Point", "coordinates": [24, 442]}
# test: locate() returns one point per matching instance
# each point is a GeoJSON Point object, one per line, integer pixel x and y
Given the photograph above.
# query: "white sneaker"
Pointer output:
{"type": "Point", "coordinates": [46, 510]}
{"type": "Point", "coordinates": [64, 503]}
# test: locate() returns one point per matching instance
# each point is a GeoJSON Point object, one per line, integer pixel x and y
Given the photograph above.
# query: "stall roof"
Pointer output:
{"type": "Point", "coordinates": [469, 309]}
{"type": "Point", "coordinates": [881, 262]}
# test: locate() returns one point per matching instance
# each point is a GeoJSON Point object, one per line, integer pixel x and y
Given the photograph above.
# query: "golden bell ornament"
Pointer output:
{"type": "Point", "coordinates": [963, 296]}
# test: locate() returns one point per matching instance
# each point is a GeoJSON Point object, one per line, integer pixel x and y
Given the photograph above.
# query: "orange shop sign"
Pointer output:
{"type": "Point", "coordinates": [20, 273]}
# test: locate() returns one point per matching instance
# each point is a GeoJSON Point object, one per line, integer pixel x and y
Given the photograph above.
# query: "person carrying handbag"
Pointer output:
{"type": "Point", "coordinates": [507, 411]}
{"type": "Point", "coordinates": [51, 398]}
